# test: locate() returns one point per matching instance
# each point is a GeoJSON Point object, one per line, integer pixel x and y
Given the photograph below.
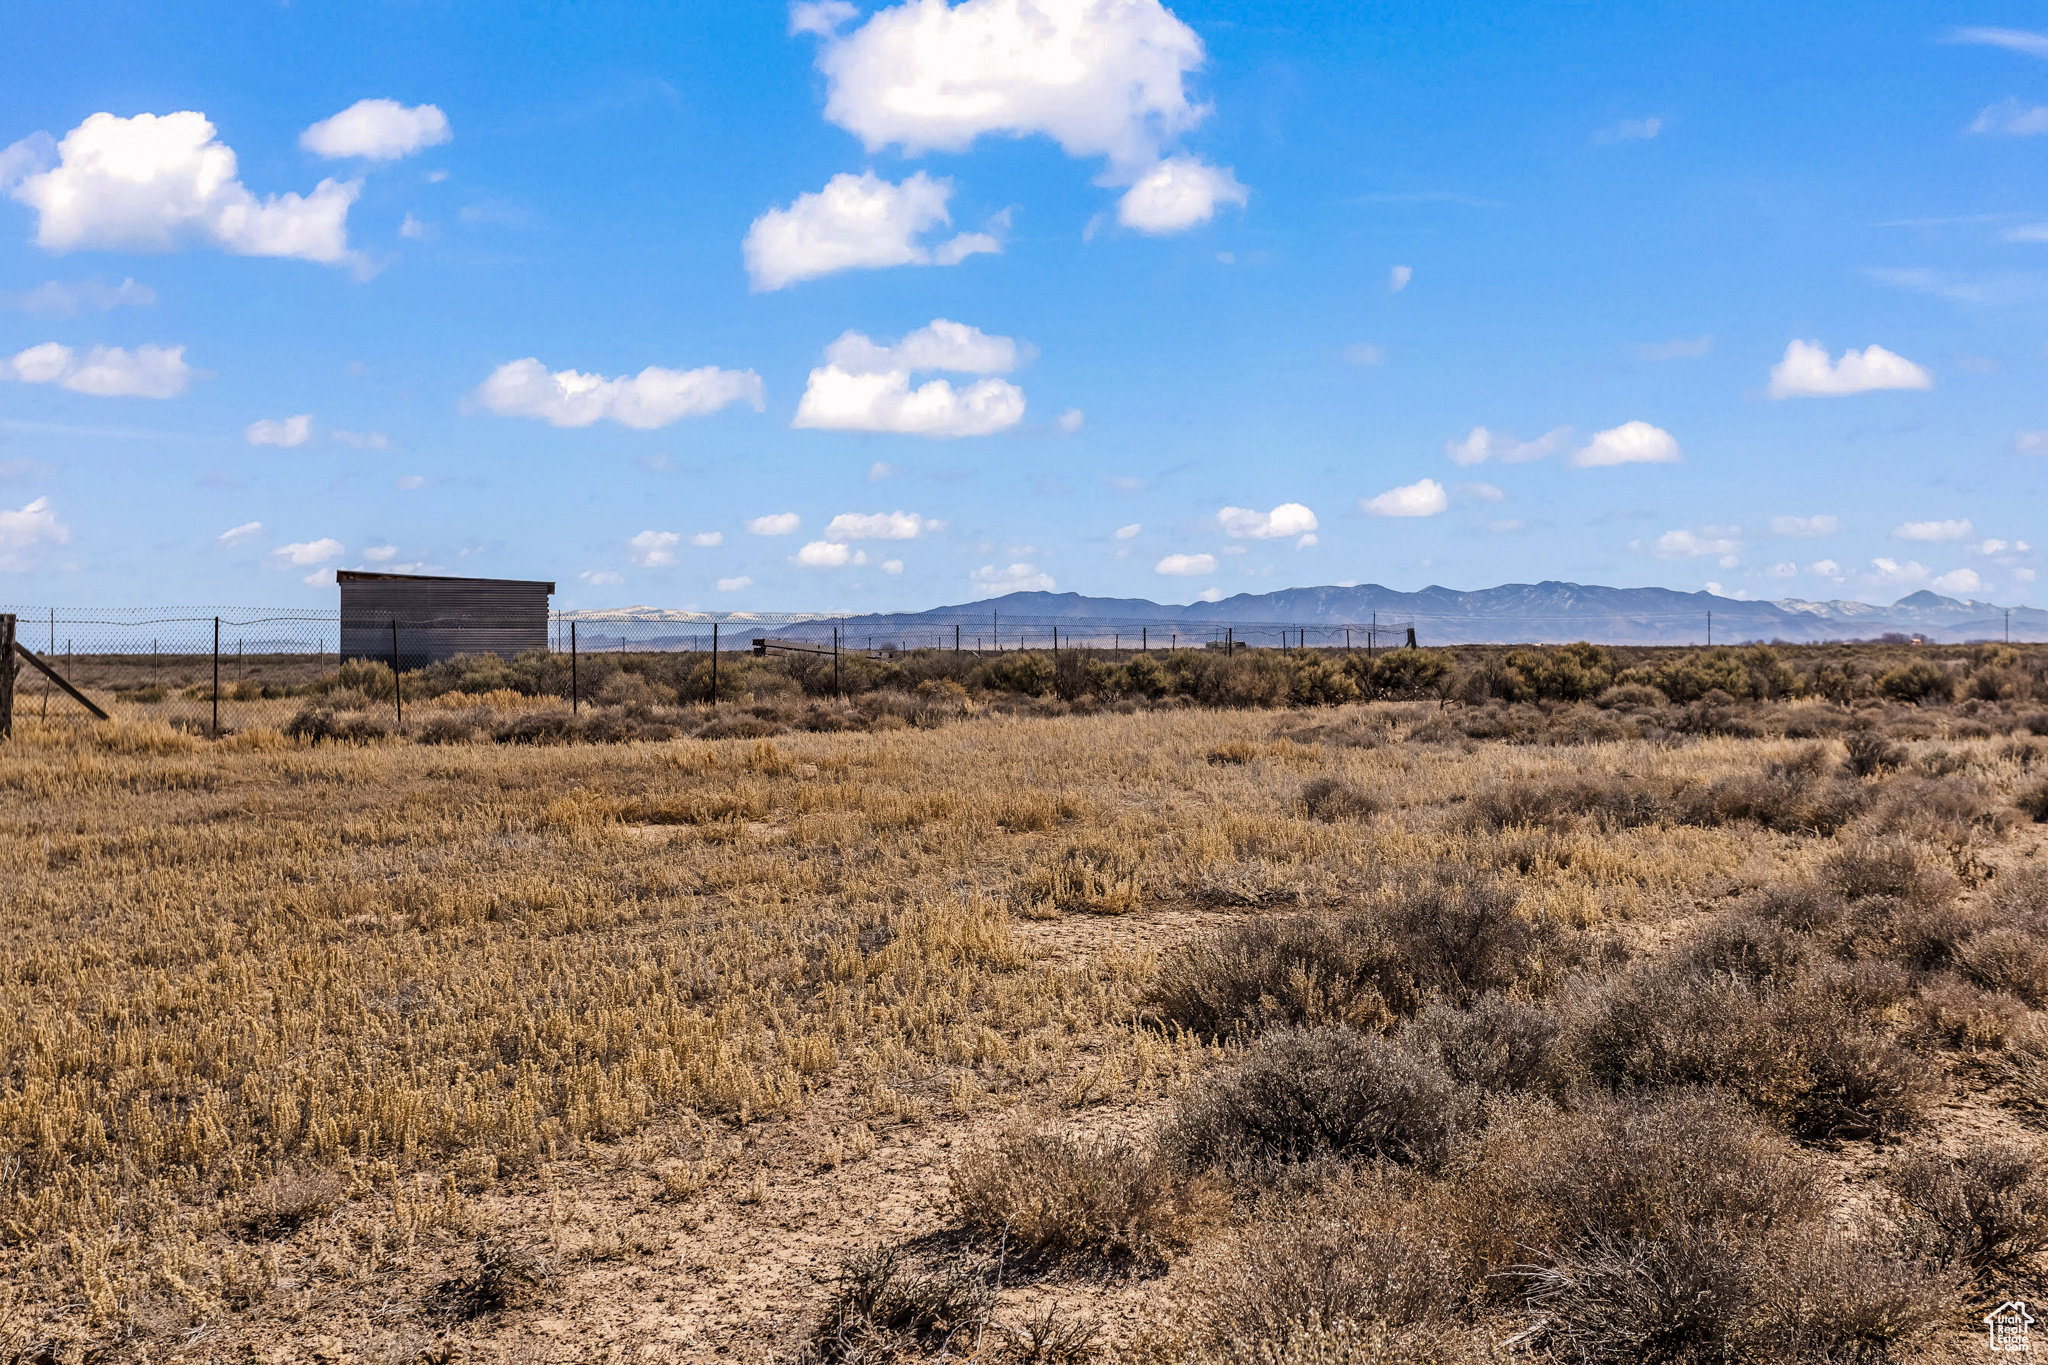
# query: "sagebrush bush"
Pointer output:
{"type": "Point", "coordinates": [1871, 754]}
{"type": "Point", "coordinates": [1333, 799]}
{"type": "Point", "coordinates": [1274, 971]}
{"type": "Point", "coordinates": [1498, 1044]}
{"type": "Point", "coordinates": [1986, 1210]}
{"type": "Point", "coordinates": [1086, 1193]}
{"type": "Point", "coordinates": [1300, 1094]}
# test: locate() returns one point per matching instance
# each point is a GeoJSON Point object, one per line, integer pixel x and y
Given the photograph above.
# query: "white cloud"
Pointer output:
{"type": "Point", "coordinates": [56, 299]}
{"type": "Point", "coordinates": [1630, 130]}
{"type": "Point", "coordinates": [410, 482]}
{"type": "Point", "coordinates": [2030, 443]}
{"type": "Point", "coordinates": [1955, 529]}
{"type": "Point", "coordinates": [2012, 118]}
{"type": "Point", "coordinates": [320, 578]}
{"type": "Point", "coordinates": [377, 130]}
{"type": "Point", "coordinates": [1209, 595]}
{"type": "Point", "coordinates": [822, 554]}
{"type": "Point", "coordinates": [2012, 39]}
{"type": "Point", "coordinates": [309, 552]}
{"type": "Point", "coordinates": [235, 535]}
{"type": "Point", "coordinates": [156, 182]}
{"type": "Point", "coordinates": [1363, 353]}
{"type": "Point", "coordinates": [1485, 492]}
{"type": "Point", "coordinates": [1286, 520]}
{"type": "Point", "coordinates": [654, 549]}
{"type": "Point", "coordinates": [864, 386]}
{"type": "Point", "coordinates": [653, 398]}
{"type": "Point", "coordinates": [1712, 540]}
{"type": "Point", "coordinates": [1177, 194]}
{"type": "Point", "coordinates": [1825, 568]}
{"type": "Point", "coordinates": [601, 578]}
{"type": "Point", "coordinates": [290, 432]}
{"type": "Point", "coordinates": [1678, 348]}
{"type": "Point", "coordinates": [823, 17]}
{"type": "Point", "coordinates": [380, 554]}
{"type": "Point", "coordinates": [1806, 373]}
{"type": "Point", "coordinates": [1423, 498]}
{"type": "Point", "coordinates": [774, 524]}
{"type": "Point", "coordinates": [1822, 525]}
{"type": "Point", "coordinates": [1629, 443]}
{"type": "Point", "coordinates": [880, 526]}
{"type": "Point", "coordinates": [892, 566]}
{"type": "Point", "coordinates": [1892, 572]}
{"type": "Point", "coordinates": [1012, 578]}
{"type": "Point", "coordinates": [1958, 581]}
{"type": "Point", "coordinates": [1100, 79]}
{"type": "Point", "coordinates": [104, 371]}
{"type": "Point", "coordinates": [1481, 445]}
{"type": "Point", "coordinates": [739, 584]}
{"type": "Point", "coordinates": [1185, 566]}
{"type": "Point", "coordinates": [1398, 277]}
{"type": "Point", "coordinates": [882, 469]}
{"type": "Point", "coordinates": [412, 229]}
{"type": "Point", "coordinates": [25, 530]}
{"type": "Point", "coordinates": [362, 440]}
{"type": "Point", "coordinates": [1072, 420]}
{"type": "Point", "coordinates": [1128, 532]}
{"type": "Point", "coordinates": [704, 540]}
{"type": "Point", "coordinates": [1784, 568]}
{"type": "Point", "coordinates": [857, 222]}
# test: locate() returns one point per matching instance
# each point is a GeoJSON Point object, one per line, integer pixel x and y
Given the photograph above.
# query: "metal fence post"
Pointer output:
{"type": "Point", "coordinates": [397, 693]}
{"type": "Point", "coordinates": [216, 677]}
{"type": "Point", "coordinates": [7, 669]}
{"type": "Point", "coordinates": [714, 663]}
{"type": "Point", "coordinates": [573, 703]}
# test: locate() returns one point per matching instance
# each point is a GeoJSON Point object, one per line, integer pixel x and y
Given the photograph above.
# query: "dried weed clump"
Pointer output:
{"type": "Point", "coordinates": [1084, 1193]}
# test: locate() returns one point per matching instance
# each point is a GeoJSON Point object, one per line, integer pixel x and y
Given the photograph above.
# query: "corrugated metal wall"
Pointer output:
{"type": "Point", "coordinates": [440, 617]}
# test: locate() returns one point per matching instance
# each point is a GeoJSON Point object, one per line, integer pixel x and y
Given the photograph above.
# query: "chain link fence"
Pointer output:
{"type": "Point", "coordinates": [223, 671]}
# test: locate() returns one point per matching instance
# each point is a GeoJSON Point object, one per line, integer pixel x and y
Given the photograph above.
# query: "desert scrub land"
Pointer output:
{"type": "Point", "coordinates": [1481, 1027]}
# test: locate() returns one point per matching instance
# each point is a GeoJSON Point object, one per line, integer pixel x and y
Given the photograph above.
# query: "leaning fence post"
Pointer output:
{"type": "Point", "coordinates": [7, 668]}
{"type": "Point", "coordinates": [216, 677]}
{"type": "Point", "coordinates": [397, 695]}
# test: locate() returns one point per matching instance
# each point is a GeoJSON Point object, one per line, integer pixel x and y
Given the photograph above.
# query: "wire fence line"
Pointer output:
{"type": "Point", "coordinates": [218, 670]}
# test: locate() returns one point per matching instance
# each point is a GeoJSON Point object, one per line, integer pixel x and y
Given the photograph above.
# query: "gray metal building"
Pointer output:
{"type": "Point", "coordinates": [437, 618]}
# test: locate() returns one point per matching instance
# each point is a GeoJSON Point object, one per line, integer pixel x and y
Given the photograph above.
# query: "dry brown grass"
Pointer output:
{"type": "Point", "coordinates": [288, 1026]}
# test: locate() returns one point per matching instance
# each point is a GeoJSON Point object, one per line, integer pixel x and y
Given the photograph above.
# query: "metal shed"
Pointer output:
{"type": "Point", "coordinates": [439, 617]}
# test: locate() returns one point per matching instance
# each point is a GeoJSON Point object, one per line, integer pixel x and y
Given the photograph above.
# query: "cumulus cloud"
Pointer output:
{"type": "Point", "coordinates": [1287, 520]}
{"type": "Point", "coordinates": [1821, 525]}
{"type": "Point", "coordinates": [704, 540]}
{"type": "Point", "coordinates": [377, 130]}
{"type": "Point", "coordinates": [158, 182]}
{"type": "Point", "coordinates": [27, 530]}
{"type": "Point", "coordinates": [1485, 492]}
{"type": "Point", "coordinates": [774, 524]}
{"type": "Point", "coordinates": [653, 398]}
{"type": "Point", "coordinates": [882, 469]}
{"type": "Point", "coordinates": [1423, 498]}
{"type": "Point", "coordinates": [1958, 581]}
{"type": "Point", "coordinates": [288, 432]}
{"type": "Point", "coordinates": [824, 554]}
{"type": "Point", "coordinates": [1784, 568]}
{"type": "Point", "coordinates": [880, 526]}
{"type": "Point", "coordinates": [735, 584]}
{"type": "Point", "coordinates": [1481, 445]}
{"type": "Point", "coordinates": [1891, 571]}
{"type": "Point", "coordinates": [380, 554]}
{"type": "Point", "coordinates": [1629, 443]}
{"type": "Point", "coordinates": [310, 552]}
{"type": "Point", "coordinates": [1018, 577]}
{"type": "Point", "coordinates": [1177, 194]}
{"type": "Point", "coordinates": [1398, 277]}
{"type": "Point", "coordinates": [362, 440]}
{"type": "Point", "coordinates": [1100, 79]}
{"type": "Point", "coordinates": [103, 371]}
{"type": "Point", "coordinates": [1825, 568]}
{"type": "Point", "coordinates": [857, 222]}
{"type": "Point", "coordinates": [1711, 540]}
{"type": "Point", "coordinates": [57, 299]}
{"type": "Point", "coordinates": [1805, 372]}
{"type": "Point", "coordinates": [1128, 532]}
{"type": "Point", "coordinates": [1955, 529]}
{"type": "Point", "coordinates": [1185, 566]}
{"type": "Point", "coordinates": [654, 549]}
{"type": "Point", "coordinates": [865, 386]}
{"type": "Point", "coordinates": [1072, 420]}
{"type": "Point", "coordinates": [235, 535]}
{"type": "Point", "coordinates": [2012, 118]}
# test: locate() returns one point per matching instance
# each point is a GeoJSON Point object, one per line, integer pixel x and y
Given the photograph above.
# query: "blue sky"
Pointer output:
{"type": "Point", "coordinates": [862, 307]}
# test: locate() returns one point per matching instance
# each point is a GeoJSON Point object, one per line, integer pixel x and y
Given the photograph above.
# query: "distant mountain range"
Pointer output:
{"type": "Point", "coordinates": [1511, 613]}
